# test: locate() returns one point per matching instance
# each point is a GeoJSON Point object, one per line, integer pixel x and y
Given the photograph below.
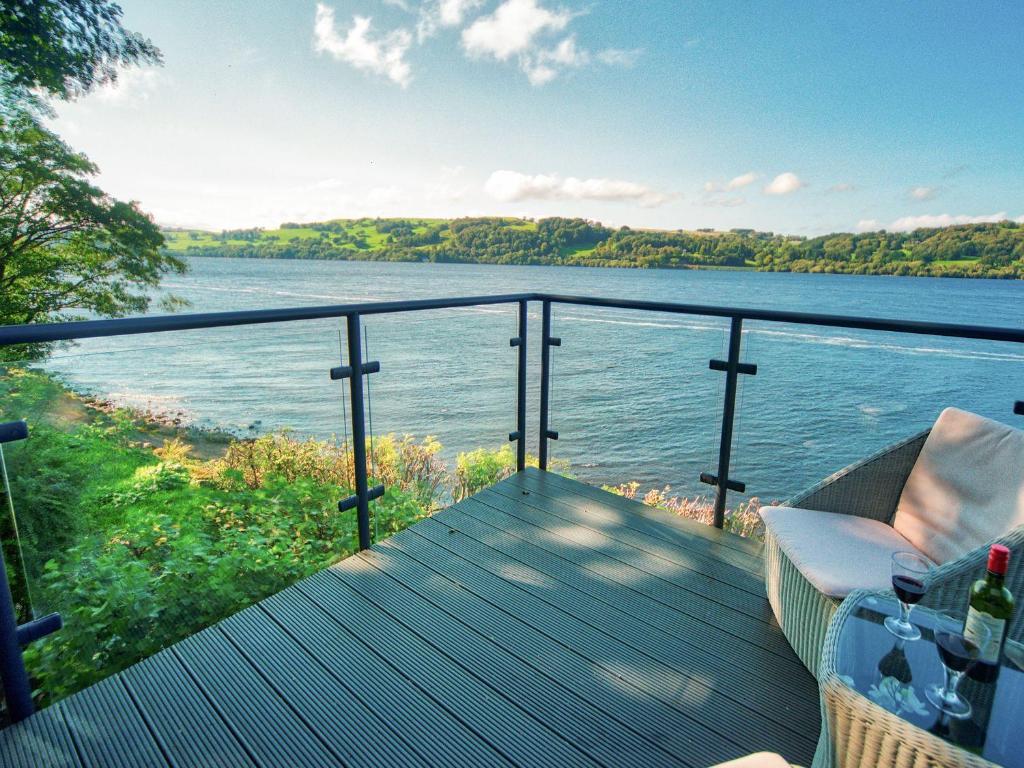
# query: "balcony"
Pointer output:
{"type": "Point", "coordinates": [540, 621]}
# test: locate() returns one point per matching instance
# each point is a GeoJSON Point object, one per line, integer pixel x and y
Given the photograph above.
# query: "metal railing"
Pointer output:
{"type": "Point", "coordinates": [13, 637]}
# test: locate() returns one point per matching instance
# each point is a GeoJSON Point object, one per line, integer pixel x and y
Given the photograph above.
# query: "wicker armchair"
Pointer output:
{"type": "Point", "coordinates": [871, 489]}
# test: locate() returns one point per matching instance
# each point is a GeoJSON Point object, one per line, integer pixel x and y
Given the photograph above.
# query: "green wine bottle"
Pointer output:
{"type": "Point", "coordinates": [991, 605]}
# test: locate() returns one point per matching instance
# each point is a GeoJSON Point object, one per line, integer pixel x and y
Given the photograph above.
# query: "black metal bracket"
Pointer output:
{"type": "Point", "coordinates": [513, 436]}
{"type": "Point", "coordinates": [13, 430]}
{"type": "Point", "coordinates": [33, 630]}
{"type": "Point", "coordinates": [1018, 407]}
{"type": "Point", "coordinates": [721, 365]}
{"type": "Point", "coordinates": [551, 434]}
{"type": "Point", "coordinates": [554, 341]}
{"type": "Point", "coordinates": [345, 371]}
{"type": "Point", "coordinates": [352, 501]}
{"type": "Point", "coordinates": [732, 485]}
{"type": "Point", "coordinates": [515, 341]}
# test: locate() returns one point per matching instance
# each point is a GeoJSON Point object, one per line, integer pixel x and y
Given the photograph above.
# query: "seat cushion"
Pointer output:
{"type": "Point", "coordinates": [757, 760]}
{"type": "Point", "coordinates": [966, 488]}
{"type": "Point", "coordinates": [836, 553]}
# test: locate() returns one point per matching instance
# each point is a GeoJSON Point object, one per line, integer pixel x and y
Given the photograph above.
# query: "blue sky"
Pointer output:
{"type": "Point", "coordinates": [792, 117]}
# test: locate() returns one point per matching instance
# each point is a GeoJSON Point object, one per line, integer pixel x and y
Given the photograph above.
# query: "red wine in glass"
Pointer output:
{"type": "Point", "coordinates": [955, 650]}
{"type": "Point", "coordinates": [910, 572]}
{"type": "Point", "coordinates": [908, 589]}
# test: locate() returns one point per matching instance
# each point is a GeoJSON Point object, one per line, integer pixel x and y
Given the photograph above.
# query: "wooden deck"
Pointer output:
{"type": "Point", "coordinates": [539, 623]}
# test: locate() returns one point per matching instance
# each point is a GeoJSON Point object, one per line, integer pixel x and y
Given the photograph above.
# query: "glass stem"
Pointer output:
{"type": "Point", "coordinates": [952, 682]}
{"type": "Point", "coordinates": [904, 614]}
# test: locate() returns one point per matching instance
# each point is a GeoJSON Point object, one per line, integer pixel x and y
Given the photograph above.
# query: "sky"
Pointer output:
{"type": "Point", "coordinates": [793, 117]}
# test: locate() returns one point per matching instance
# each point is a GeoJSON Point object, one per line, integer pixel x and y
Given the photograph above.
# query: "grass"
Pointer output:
{"type": "Point", "coordinates": [180, 240]}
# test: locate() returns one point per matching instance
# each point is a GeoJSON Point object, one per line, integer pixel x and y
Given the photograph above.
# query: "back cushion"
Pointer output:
{"type": "Point", "coordinates": [966, 488]}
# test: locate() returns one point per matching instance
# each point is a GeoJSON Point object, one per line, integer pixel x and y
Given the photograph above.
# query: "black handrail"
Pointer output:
{"type": "Point", "coordinates": [83, 329]}
{"type": "Point", "coordinates": [12, 637]}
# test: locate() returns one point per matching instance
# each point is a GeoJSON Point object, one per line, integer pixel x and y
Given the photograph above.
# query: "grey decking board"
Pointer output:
{"type": "Point", "coordinates": [742, 586]}
{"type": "Point", "coordinates": [42, 741]}
{"type": "Point", "coordinates": [546, 638]}
{"type": "Point", "coordinates": [485, 569]}
{"type": "Point", "coordinates": [588, 572]}
{"type": "Point", "coordinates": [650, 717]}
{"type": "Point", "coordinates": [515, 732]}
{"type": "Point", "coordinates": [92, 714]}
{"type": "Point", "coordinates": [389, 693]}
{"type": "Point", "coordinates": [190, 730]}
{"type": "Point", "coordinates": [737, 550]}
{"type": "Point", "coordinates": [269, 727]}
{"type": "Point", "coordinates": [563, 711]}
{"type": "Point", "coordinates": [685, 569]}
{"type": "Point", "coordinates": [319, 698]}
{"type": "Point", "coordinates": [674, 586]}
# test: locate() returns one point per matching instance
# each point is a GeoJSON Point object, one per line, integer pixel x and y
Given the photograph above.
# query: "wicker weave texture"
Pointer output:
{"type": "Point", "coordinates": [870, 488]}
{"type": "Point", "coordinates": [802, 611]}
{"type": "Point", "coordinates": [860, 734]}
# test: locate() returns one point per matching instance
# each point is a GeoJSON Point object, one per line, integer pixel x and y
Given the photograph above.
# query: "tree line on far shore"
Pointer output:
{"type": "Point", "coordinates": [970, 250]}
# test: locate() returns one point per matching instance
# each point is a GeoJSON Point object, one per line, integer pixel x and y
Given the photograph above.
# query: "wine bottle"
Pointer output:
{"type": "Point", "coordinates": [991, 605]}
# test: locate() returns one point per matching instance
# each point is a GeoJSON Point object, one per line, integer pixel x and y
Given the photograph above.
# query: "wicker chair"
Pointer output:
{"type": "Point", "coordinates": [871, 489]}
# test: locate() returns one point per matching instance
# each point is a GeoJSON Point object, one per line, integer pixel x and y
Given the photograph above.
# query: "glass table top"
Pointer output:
{"type": "Point", "coordinates": [894, 674]}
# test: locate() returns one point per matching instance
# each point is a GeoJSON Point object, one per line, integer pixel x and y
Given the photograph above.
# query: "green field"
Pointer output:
{"type": "Point", "coordinates": [992, 250]}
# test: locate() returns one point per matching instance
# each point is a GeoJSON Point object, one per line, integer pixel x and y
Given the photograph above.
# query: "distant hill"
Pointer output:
{"type": "Point", "coordinates": [969, 250]}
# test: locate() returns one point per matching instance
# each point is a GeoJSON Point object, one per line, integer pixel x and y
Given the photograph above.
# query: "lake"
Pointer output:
{"type": "Point", "coordinates": [633, 398]}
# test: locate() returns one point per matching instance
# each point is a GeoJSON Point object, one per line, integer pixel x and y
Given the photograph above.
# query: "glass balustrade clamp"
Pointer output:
{"type": "Point", "coordinates": [1018, 408]}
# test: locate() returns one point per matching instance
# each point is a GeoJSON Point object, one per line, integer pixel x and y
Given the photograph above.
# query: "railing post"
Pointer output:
{"type": "Point", "coordinates": [547, 341]}
{"type": "Point", "coordinates": [732, 370]}
{"type": "Point", "coordinates": [519, 436]}
{"type": "Point", "coordinates": [355, 361]}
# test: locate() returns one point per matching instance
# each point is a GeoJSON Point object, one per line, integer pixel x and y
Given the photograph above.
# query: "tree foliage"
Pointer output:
{"type": "Point", "coordinates": [67, 249]}
{"type": "Point", "coordinates": [969, 250]}
{"type": "Point", "coordinates": [66, 47]}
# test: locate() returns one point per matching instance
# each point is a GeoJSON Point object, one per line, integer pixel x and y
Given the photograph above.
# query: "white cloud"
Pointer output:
{"type": "Point", "coordinates": [544, 65]}
{"type": "Point", "coordinates": [868, 225]}
{"type": "Point", "coordinates": [842, 186]}
{"type": "Point", "coordinates": [619, 57]}
{"type": "Point", "coordinates": [908, 223]}
{"type": "Point", "coordinates": [382, 55]}
{"type": "Point", "coordinates": [443, 13]}
{"type": "Point", "coordinates": [784, 184]}
{"type": "Point", "coordinates": [133, 85]}
{"type": "Point", "coordinates": [512, 186]}
{"type": "Point", "coordinates": [923, 193]}
{"type": "Point", "coordinates": [511, 29]}
{"type": "Point", "coordinates": [741, 181]}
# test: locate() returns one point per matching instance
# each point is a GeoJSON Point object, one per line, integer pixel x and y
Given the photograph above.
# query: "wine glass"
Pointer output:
{"type": "Point", "coordinates": [957, 653]}
{"type": "Point", "coordinates": [909, 582]}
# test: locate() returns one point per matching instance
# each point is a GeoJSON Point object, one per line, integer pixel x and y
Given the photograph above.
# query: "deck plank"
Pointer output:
{"type": "Point", "coordinates": [539, 623]}
{"type": "Point", "coordinates": [628, 590]}
{"type": "Point", "coordinates": [686, 685]}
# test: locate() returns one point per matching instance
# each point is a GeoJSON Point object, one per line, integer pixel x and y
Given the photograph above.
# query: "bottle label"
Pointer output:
{"type": "Point", "coordinates": [988, 648]}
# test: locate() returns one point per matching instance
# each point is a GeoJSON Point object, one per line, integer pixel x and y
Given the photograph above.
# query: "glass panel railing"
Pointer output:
{"type": "Point", "coordinates": [824, 398]}
{"type": "Point", "coordinates": [170, 480]}
{"type": "Point", "coordinates": [443, 404]}
{"type": "Point", "coordinates": [635, 404]}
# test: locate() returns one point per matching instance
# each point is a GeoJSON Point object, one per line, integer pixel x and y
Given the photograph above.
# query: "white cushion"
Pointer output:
{"type": "Point", "coordinates": [757, 760]}
{"type": "Point", "coordinates": [966, 488]}
{"type": "Point", "coordinates": [836, 553]}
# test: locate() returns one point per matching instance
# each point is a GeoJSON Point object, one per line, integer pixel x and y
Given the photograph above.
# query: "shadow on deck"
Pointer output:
{"type": "Point", "coordinates": [541, 622]}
